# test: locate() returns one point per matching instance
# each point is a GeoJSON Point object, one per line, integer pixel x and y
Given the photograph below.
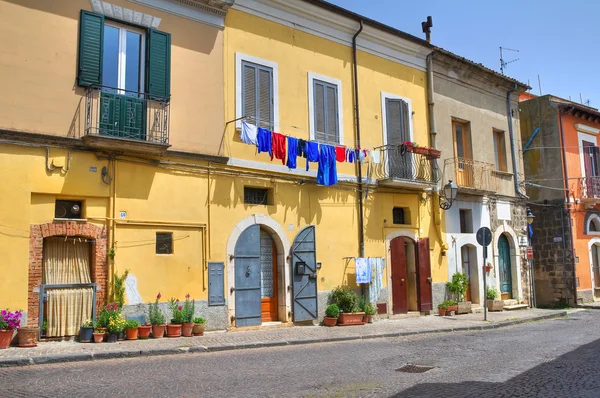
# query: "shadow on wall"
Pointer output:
{"type": "Point", "coordinates": [573, 372]}
{"type": "Point", "coordinates": [185, 33]}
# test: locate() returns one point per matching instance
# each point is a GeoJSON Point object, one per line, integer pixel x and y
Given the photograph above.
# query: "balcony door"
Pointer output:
{"type": "Point", "coordinates": [397, 124]}
{"type": "Point", "coordinates": [463, 155]}
{"type": "Point", "coordinates": [122, 104]}
{"type": "Point", "coordinates": [591, 156]}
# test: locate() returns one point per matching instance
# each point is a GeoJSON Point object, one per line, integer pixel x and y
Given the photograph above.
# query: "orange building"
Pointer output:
{"type": "Point", "coordinates": [562, 173]}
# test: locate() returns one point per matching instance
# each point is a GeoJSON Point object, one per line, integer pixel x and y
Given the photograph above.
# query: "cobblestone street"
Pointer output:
{"type": "Point", "coordinates": [550, 358]}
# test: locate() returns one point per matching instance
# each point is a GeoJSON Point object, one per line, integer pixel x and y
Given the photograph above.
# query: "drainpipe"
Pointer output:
{"type": "Point", "coordinates": [512, 140]}
{"type": "Point", "coordinates": [567, 207]}
{"type": "Point", "coordinates": [361, 235]}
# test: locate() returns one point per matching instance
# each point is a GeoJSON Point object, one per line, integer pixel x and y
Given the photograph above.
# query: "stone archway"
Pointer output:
{"type": "Point", "coordinates": [282, 244]}
{"type": "Point", "coordinates": [515, 258]}
{"type": "Point", "coordinates": [98, 266]}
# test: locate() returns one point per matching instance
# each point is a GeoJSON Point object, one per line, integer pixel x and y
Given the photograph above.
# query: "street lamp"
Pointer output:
{"type": "Point", "coordinates": [448, 195]}
{"type": "Point", "coordinates": [530, 219]}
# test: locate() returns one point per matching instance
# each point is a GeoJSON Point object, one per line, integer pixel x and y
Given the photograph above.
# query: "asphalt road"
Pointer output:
{"type": "Point", "coordinates": [554, 358]}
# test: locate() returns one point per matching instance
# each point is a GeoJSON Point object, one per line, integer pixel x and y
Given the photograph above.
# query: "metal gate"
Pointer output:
{"type": "Point", "coordinates": [304, 276]}
{"type": "Point", "coordinates": [248, 310]}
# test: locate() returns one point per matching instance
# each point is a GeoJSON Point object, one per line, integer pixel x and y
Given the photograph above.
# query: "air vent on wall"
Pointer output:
{"type": "Point", "coordinates": [68, 209]}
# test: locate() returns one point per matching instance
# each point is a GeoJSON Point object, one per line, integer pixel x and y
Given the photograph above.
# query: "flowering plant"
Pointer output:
{"type": "Point", "coordinates": [176, 310]}
{"type": "Point", "coordinates": [188, 309]}
{"type": "Point", "coordinates": [155, 314]}
{"type": "Point", "coordinates": [10, 320]}
{"type": "Point", "coordinates": [114, 321]}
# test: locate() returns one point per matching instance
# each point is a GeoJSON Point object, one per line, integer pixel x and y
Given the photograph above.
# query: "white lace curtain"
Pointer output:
{"type": "Point", "coordinates": [67, 261]}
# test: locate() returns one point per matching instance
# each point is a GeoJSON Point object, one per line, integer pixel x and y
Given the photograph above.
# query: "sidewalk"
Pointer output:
{"type": "Point", "coordinates": [53, 352]}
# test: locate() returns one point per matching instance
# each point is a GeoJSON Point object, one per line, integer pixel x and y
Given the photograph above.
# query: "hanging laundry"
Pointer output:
{"type": "Point", "coordinates": [375, 156]}
{"type": "Point", "coordinates": [264, 141]}
{"type": "Point", "coordinates": [302, 148]}
{"type": "Point", "coordinates": [350, 155]}
{"type": "Point", "coordinates": [312, 152]}
{"type": "Point", "coordinates": [361, 156]}
{"type": "Point", "coordinates": [327, 172]}
{"type": "Point", "coordinates": [340, 153]}
{"type": "Point", "coordinates": [278, 147]}
{"type": "Point", "coordinates": [363, 270]}
{"type": "Point", "coordinates": [376, 265]}
{"type": "Point", "coordinates": [292, 152]}
{"type": "Point", "coordinates": [249, 132]}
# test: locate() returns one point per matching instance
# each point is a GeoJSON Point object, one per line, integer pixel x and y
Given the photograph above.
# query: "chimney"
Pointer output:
{"type": "Point", "coordinates": [427, 28]}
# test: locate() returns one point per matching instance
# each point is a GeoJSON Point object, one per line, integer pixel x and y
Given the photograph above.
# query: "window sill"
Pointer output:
{"type": "Point", "coordinates": [70, 219]}
{"type": "Point", "coordinates": [503, 173]}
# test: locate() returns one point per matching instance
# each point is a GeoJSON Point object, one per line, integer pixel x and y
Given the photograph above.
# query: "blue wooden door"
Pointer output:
{"type": "Point", "coordinates": [247, 278]}
{"type": "Point", "coordinates": [505, 265]}
{"type": "Point", "coordinates": [304, 276]}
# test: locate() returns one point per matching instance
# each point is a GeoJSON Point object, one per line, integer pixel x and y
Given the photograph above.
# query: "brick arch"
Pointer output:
{"type": "Point", "coordinates": [98, 267]}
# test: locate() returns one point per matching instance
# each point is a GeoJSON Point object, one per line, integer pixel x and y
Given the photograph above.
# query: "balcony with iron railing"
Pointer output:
{"type": "Point", "coordinates": [471, 175]}
{"type": "Point", "coordinates": [399, 167]}
{"type": "Point", "coordinates": [590, 189]}
{"type": "Point", "coordinates": [126, 120]}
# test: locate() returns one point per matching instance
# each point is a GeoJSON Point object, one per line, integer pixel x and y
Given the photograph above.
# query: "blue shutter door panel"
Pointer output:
{"type": "Point", "coordinates": [158, 59]}
{"type": "Point", "coordinates": [91, 31]}
{"type": "Point", "coordinates": [304, 276]}
{"type": "Point", "coordinates": [216, 283]}
{"type": "Point", "coordinates": [248, 307]}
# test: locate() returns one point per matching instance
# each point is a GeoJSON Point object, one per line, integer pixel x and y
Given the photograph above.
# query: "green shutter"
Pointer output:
{"type": "Point", "coordinates": [158, 64]}
{"type": "Point", "coordinates": [91, 40]}
{"type": "Point", "coordinates": [132, 121]}
{"type": "Point", "coordinates": [110, 114]}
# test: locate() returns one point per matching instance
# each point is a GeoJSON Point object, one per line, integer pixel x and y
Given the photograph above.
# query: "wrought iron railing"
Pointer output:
{"type": "Point", "coordinates": [590, 187]}
{"type": "Point", "coordinates": [126, 114]}
{"type": "Point", "coordinates": [397, 164]}
{"type": "Point", "coordinates": [473, 174]}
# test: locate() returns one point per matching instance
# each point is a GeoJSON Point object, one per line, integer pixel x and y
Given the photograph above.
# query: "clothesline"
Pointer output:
{"type": "Point", "coordinates": [288, 148]}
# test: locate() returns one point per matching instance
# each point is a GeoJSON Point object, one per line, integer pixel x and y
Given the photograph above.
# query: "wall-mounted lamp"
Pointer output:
{"type": "Point", "coordinates": [530, 216]}
{"type": "Point", "coordinates": [448, 195]}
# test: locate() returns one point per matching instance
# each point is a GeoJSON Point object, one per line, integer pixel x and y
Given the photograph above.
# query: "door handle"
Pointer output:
{"type": "Point", "coordinates": [402, 280]}
{"type": "Point", "coordinates": [429, 280]}
{"type": "Point", "coordinates": [248, 271]}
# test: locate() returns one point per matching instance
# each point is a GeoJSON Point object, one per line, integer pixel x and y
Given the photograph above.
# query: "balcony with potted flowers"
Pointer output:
{"type": "Point", "coordinates": [408, 165]}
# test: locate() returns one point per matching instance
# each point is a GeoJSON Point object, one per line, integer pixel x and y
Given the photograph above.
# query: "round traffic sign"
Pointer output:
{"type": "Point", "coordinates": [484, 236]}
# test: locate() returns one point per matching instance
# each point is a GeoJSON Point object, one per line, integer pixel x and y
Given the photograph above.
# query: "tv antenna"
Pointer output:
{"type": "Point", "coordinates": [504, 63]}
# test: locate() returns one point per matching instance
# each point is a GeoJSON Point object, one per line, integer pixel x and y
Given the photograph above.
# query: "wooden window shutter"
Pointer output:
{"type": "Point", "coordinates": [319, 93]}
{"type": "Point", "coordinates": [265, 98]}
{"type": "Point", "coordinates": [326, 112]}
{"type": "Point", "coordinates": [332, 115]}
{"type": "Point", "coordinates": [249, 92]}
{"type": "Point", "coordinates": [158, 64]}
{"type": "Point", "coordinates": [394, 122]}
{"type": "Point", "coordinates": [405, 121]}
{"type": "Point", "coordinates": [91, 43]}
{"type": "Point", "coordinates": [257, 94]}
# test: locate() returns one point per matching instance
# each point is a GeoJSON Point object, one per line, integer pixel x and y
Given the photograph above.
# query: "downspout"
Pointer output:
{"type": "Point", "coordinates": [361, 235]}
{"type": "Point", "coordinates": [567, 207]}
{"type": "Point", "coordinates": [512, 140]}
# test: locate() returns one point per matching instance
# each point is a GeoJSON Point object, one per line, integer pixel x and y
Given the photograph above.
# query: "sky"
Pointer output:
{"type": "Point", "coordinates": [557, 40]}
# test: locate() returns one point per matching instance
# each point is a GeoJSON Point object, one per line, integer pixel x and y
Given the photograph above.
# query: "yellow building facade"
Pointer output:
{"type": "Point", "coordinates": [141, 166]}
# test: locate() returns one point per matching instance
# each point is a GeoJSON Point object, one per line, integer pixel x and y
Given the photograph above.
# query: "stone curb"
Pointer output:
{"type": "Point", "coordinates": [61, 358]}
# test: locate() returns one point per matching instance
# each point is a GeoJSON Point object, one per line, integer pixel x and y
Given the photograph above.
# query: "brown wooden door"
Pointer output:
{"type": "Point", "coordinates": [268, 271]}
{"type": "Point", "coordinates": [466, 269]}
{"type": "Point", "coordinates": [462, 154]}
{"type": "Point", "coordinates": [399, 276]}
{"type": "Point", "coordinates": [424, 275]}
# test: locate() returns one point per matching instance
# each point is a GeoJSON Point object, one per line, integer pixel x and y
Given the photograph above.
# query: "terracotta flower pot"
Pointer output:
{"type": "Point", "coordinates": [144, 331]}
{"type": "Point", "coordinates": [441, 311]}
{"type": "Point", "coordinates": [105, 330]}
{"type": "Point", "coordinates": [27, 336]}
{"type": "Point", "coordinates": [351, 318]}
{"type": "Point", "coordinates": [327, 321]}
{"type": "Point", "coordinates": [420, 150]}
{"type": "Point", "coordinates": [198, 329]}
{"type": "Point", "coordinates": [98, 337]}
{"type": "Point", "coordinates": [158, 331]}
{"type": "Point", "coordinates": [452, 308]}
{"type": "Point", "coordinates": [132, 333]}
{"type": "Point", "coordinates": [187, 329]}
{"type": "Point", "coordinates": [173, 330]}
{"type": "Point", "coordinates": [5, 338]}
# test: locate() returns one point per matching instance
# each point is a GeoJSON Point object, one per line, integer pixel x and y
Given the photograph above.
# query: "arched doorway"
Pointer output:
{"type": "Point", "coordinates": [595, 263]}
{"type": "Point", "coordinates": [505, 267]}
{"type": "Point", "coordinates": [471, 270]}
{"type": "Point", "coordinates": [410, 275]}
{"type": "Point", "coordinates": [268, 277]}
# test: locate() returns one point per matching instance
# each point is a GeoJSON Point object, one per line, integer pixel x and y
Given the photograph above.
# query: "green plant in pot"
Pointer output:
{"type": "Point", "coordinates": [492, 302]}
{"type": "Point", "coordinates": [131, 326]}
{"type": "Point", "coordinates": [458, 288]}
{"type": "Point", "coordinates": [177, 318]}
{"type": "Point", "coordinates": [157, 318]}
{"type": "Point", "coordinates": [451, 306]}
{"type": "Point", "coordinates": [86, 332]}
{"type": "Point", "coordinates": [347, 301]}
{"type": "Point", "coordinates": [332, 312]}
{"type": "Point", "coordinates": [188, 309]}
{"type": "Point", "coordinates": [370, 310]}
{"type": "Point", "coordinates": [442, 308]}
{"type": "Point", "coordinates": [199, 325]}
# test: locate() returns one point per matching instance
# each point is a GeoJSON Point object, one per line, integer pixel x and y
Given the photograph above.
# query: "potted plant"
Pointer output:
{"type": "Point", "coordinates": [157, 319]}
{"type": "Point", "coordinates": [144, 331]}
{"type": "Point", "coordinates": [493, 304]}
{"type": "Point", "coordinates": [421, 150]}
{"type": "Point", "coordinates": [116, 323]}
{"type": "Point", "coordinates": [188, 316]}
{"type": "Point", "coordinates": [98, 335]}
{"type": "Point", "coordinates": [174, 328]}
{"type": "Point", "coordinates": [199, 324]}
{"type": "Point", "coordinates": [458, 287]}
{"type": "Point", "coordinates": [332, 312]}
{"type": "Point", "coordinates": [370, 310]}
{"type": "Point", "coordinates": [442, 309]}
{"type": "Point", "coordinates": [44, 327]}
{"type": "Point", "coordinates": [346, 299]}
{"type": "Point", "coordinates": [86, 331]}
{"type": "Point", "coordinates": [131, 326]}
{"type": "Point", "coordinates": [9, 321]}
{"type": "Point", "coordinates": [451, 307]}
{"type": "Point", "coordinates": [102, 322]}
{"type": "Point", "coordinates": [434, 153]}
